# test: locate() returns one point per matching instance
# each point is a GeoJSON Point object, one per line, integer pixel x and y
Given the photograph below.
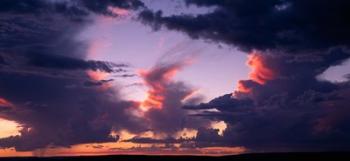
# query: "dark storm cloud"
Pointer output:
{"type": "Point", "coordinates": [290, 112]}
{"type": "Point", "coordinates": [297, 40]}
{"type": "Point", "coordinates": [2, 60]}
{"type": "Point", "coordinates": [73, 8]}
{"type": "Point", "coordinates": [222, 103]}
{"type": "Point", "coordinates": [45, 44]}
{"type": "Point", "coordinates": [96, 83]}
{"type": "Point", "coordinates": [42, 73]}
{"type": "Point", "coordinates": [43, 65]}
{"type": "Point", "coordinates": [66, 63]}
{"type": "Point", "coordinates": [271, 24]}
{"type": "Point", "coordinates": [56, 63]}
{"type": "Point", "coordinates": [53, 113]}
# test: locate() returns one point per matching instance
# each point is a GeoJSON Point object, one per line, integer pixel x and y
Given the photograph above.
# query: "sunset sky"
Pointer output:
{"type": "Point", "coordinates": [173, 77]}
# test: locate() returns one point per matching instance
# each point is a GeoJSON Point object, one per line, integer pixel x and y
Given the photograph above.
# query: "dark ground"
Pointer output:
{"type": "Point", "coordinates": [330, 156]}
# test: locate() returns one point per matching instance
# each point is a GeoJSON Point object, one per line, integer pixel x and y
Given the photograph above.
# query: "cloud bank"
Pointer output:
{"type": "Point", "coordinates": [44, 75]}
{"type": "Point", "coordinates": [282, 106]}
{"type": "Point", "coordinates": [61, 98]}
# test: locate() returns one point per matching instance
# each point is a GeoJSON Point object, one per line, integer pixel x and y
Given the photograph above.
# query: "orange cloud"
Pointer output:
{"type": "Point", "coordinates": [157, 79]}
{"type": "Point", "coordinates": [242, 88]}
{"type": "Point", "coordinates": [11, 152]}
{"type": "Point", "coordinates": [98, 76]}
{"type": "Point", "coordinates": [5, 103]}
{"type": "Point", "coordinates": [9, 128]}
{"type": "Point", "coordinates": [119, 11]}
{"type": "Point", "coordinates": [260, 72]}
{"type": "Point", "coordinates": [219, 125]}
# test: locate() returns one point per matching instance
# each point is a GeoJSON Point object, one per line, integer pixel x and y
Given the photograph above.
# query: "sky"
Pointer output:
{"type": "Point", "coordinates": [184, 77]}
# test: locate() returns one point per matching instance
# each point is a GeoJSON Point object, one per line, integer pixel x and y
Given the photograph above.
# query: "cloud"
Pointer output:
{"type": "Point", "coordinates": [145, 140]}
{"type": "Point", "coordinates": [66, 63]}
{"type": "Point", "coordinates": [52, 65]}
{"type": "Point", "coordinates": [205, 137]}
{"type": "Point", "coordinates": [97, 83]}
{"type": "Point", "coordinates": [291, 112]}
{"type": "Point", "coordinates": [5, 103]}
{"type": "Point", "coordinates": [158, 79]}
{"type": "Point", "coordinates": [53, 113]}
{"type": "Point", "coordinates": [43, 70]}
{"type": "Point", "coordinates": [282, 106]}
{"type": "Point", "coordinates": [260, 72]}
{"type": "Point", "coordinates": [298, 25]}
{"type": "Point", "coordinates": [56, 91]}
{"type": "Point", "coordinates": [163, 105]}
{"type": "Point", "coordinates": [71, 9]}
{"type": "Point", "coordinates": [44, 75]}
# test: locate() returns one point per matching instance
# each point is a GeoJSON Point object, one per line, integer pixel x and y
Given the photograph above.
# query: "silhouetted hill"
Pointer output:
{"type": "Point", "coordinates": [331, 156]}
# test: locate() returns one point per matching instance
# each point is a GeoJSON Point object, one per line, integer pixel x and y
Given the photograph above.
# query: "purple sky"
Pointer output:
{"type": "Point", "coordinates": [125, 40]}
